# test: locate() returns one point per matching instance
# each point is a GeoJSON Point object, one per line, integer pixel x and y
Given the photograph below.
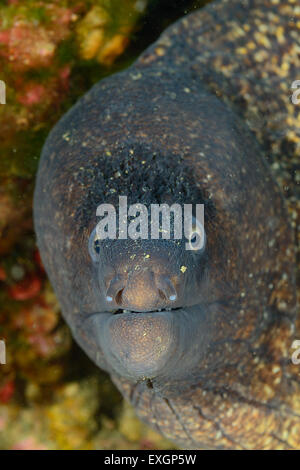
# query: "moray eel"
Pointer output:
{"type": "Point", "coordinates": [199, 341]}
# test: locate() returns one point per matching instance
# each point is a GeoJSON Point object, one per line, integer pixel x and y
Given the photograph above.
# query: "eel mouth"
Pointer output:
{"type": "Point", "coordinates": [124, 311]}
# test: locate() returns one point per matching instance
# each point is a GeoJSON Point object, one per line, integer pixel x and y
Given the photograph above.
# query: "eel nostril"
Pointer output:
{"type": "Point", "coordinates": [166, 289]}
{"type": "Point", "coordinates": [162, 295]}
{"type": "Point", "coordinates": [119, 297]}
{"type": "Point", "coordinates": [115, 290]}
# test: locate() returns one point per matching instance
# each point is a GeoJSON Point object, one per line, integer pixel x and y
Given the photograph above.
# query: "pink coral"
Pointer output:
{"type": "Point", "coordinates": [6, 391]}
{"type": "Point", "coordinates": [26, 289]}
{"type": "Point", "coordinates": [28, 45]}
{"type": "Point", "coordinates": [29, 443]}
{"type": "Point", "coordinates": [33, 94]}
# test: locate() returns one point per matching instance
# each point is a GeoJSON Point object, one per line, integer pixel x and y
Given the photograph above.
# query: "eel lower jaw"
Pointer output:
{"type": "Point", "coordinates": [140, 345]}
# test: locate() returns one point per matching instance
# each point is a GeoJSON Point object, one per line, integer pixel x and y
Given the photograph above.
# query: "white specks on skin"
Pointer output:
{"type": "Point", "coordinates": [66, 136]}
{"type": "Point", "coordinates": [282, 305]}
{"type": "Point", "coordinates": [136, 76]}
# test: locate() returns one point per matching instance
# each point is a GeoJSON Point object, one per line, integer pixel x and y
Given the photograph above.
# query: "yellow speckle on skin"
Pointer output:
{"type": "Point", "coordinates": [183, 269]}
{"type": "Point", "coordinates": [268, 391]}
{"type": "Point", "coordinates": [160, 51]}
{"type": "Point", "coordinates": [280, 35]}
{"type": "Point", "coordinates": [285, 66]}
{"type": "Point", "coordinates": [251, 45]}
{"type": "Point", "coordinates": [241, 50]}
{"type": "Point", "coordinates": [260, 56]}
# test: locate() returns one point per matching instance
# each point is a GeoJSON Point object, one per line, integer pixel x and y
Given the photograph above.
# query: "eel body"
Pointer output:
{"type": "Point", "coordinates": [200, 342]}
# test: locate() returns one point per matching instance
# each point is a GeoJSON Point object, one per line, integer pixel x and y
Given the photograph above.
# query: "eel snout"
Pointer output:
{"type": "Point", "coordinates": [141, 291]}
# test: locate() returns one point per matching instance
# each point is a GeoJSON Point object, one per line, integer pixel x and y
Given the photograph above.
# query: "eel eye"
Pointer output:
{"type": "Point", "coordinates": [196, 238]}
{"type": "Point", "coordinates": [94, 246]}
{"type": "Point", "coordinates": [97, 246]}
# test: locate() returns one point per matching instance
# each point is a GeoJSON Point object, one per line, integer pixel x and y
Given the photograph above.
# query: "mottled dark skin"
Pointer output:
{"type": "Point", "coordinates": [199, 118]}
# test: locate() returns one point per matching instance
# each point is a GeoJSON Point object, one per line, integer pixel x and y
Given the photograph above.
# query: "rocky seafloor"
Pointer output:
{"type": "Point", "coordinates": [51, 52]}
